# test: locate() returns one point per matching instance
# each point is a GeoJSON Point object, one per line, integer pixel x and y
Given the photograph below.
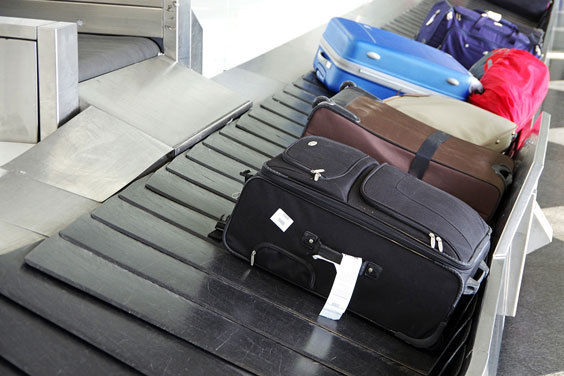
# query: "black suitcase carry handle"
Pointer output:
{"type": "Point", "coordinates": [313, 243]}
{"type": "Point", "coordinates": [472, 285]}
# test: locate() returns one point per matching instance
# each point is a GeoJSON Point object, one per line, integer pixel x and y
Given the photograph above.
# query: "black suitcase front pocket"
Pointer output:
{"type": "Point", "coordinates": [284, 264]}
{"type": "Point", "coordinates": [445, 223]}
{"type": "Point", "coordinates": [382, 189]}
{"type": "Point", "coordinates": [324, 165]}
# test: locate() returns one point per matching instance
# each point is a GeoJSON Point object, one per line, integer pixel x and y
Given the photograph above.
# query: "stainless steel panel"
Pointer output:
{"type": "Point", "coordinates": [91, 18]}
{"type": "Point", "coordinates": [39, 207]}
{"type": "Point", "coordinates": [531, 162]}
{"type": "Point", "coordinates": [94, 155]}
{"type": "Point", "coordinates": [502, 287]}
{"type": "Point", "coordinates": [487, 343]}
{"type": "Point", "coordinates": [243, 81]}
{"type": "Point", "coordinates": [19, 115]}
{"type": "Point", "coordinates": [541, 233]}
{"type": "Point", "coordinates": [176, 33]}
{"type": "Point", "coordinates": [10, 150]}
{"type": "Point", "coordinates": [101, 54]}
{"type": "Point", "coordinates": [182, 34]}
{"type": "Point", "coordinates": [517, 257]}
{"type": "Point", "coordinates": [57, 50]}
{"type": "Point", "coordinates": [140, 3]}
{"type": "Point", "coordinates": [165, 100]}
{"type": "Point", "coordinates": [196, 44]}
{"type": "Point", "coordinates": [21, 28]}
{"type": "Point", "coordinates": [14, 237]}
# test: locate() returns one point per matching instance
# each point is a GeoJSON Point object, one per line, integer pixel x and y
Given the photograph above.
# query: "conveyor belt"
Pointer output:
{"type": "Point", "coordinates": [100, 54]}
{"type": "Point", "coordinates": [139, 283]}
{"type": "Point", "coordinates": [30, 334]}
{"type": "Point", "coordinates": [146, 252]}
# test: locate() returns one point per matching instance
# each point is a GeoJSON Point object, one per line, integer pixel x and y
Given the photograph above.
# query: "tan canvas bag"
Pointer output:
{"type": "Point", "coordinates": [458, 118]}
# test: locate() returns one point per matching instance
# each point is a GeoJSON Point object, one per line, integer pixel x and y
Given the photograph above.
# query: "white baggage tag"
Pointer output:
{"type": "Point", "coordinates": [343, 286]}
{"type": "Point", "coordinates": [282, 220]}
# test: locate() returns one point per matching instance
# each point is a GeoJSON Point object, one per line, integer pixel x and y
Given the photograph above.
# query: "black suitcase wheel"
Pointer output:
{"type": "Point", "coordinates": [347, 84]}
{"type": "Point", "coordinates": [319, 99]}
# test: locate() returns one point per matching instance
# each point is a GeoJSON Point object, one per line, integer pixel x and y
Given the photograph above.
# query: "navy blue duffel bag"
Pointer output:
{"type": "Point", "coordinates": [467, 35]}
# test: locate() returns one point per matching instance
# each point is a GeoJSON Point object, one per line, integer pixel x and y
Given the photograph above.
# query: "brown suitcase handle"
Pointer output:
{"type": "Point", "coordinates": [504, 172]}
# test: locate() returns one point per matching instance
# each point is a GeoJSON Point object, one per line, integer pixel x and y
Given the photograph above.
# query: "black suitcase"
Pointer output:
{"type": "Point", "coordinates": [320, 200]}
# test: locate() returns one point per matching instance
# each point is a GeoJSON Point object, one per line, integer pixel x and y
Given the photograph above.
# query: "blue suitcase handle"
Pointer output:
{"type": "Point", "coordinates": [321, 58]}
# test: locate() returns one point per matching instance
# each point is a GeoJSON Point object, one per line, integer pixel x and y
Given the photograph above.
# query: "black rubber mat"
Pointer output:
{"type": "Point", "coordinates": [194, 172]}
{"type": "Point", "coordinates": [209, 290]}
{"type": "Point", "coordinates": [190, 195]}
{"type": "Point", "coordinates": [221, 163]}
{"type": "Point", "coordinates": [169, 311]}
{"type": "Point", "coordinates": [293, 102]}
{"type": "Point", "coordinates": [285, 111]}
{"type": "Point", "coordinates": [298, 93]}
{"type": "Point", "coordinates": [27, 341]}
{"type": "Point", "coordinates": [173, 213]}
{"type": "Point", "coordinates": [8, 369]}
{"type": "Point", "coordinates": [277, 121]}
{"type": "Point", "coordinates": [216, 261]}
{"type": "Point", "coordinates": [235, 150]}
{"type": "Point", "coordinates": [311, 88]}
{"type": "Point", "coordinates": [134, 342]}
{"type": "Point", "coordinates": [259, 129]}
{"type": "Point", "coordinates": [251, 141]}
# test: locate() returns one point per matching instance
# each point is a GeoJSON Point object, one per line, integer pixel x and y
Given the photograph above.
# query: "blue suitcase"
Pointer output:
{"type": "Point", "coordinates": [385, 64]}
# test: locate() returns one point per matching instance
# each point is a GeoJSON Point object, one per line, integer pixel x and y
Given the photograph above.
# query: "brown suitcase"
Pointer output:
{"type": "Point", "coordinates": [474, 174]}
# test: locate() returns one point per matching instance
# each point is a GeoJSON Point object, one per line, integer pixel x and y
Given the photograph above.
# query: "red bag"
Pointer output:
{"type": "Point", "coordinates": [515, 85]}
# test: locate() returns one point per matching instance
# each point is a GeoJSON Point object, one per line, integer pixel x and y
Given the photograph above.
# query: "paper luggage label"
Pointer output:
{"type": "Point", "coordinates": [343, 286]}
{"type": "Point", "coordinates": [282, 220]}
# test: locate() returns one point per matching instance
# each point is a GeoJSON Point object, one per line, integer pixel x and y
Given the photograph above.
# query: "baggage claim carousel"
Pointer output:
{"type": "Point", "coordinates": [136, 286]}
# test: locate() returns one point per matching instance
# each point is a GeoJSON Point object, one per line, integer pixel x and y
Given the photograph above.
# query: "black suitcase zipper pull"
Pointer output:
{"type": "Point", "coordinates": [440, 244]}
{"type": "Point", "coordinates": [436, 241]}
{"type": "Point", "coordinates": [317, 173]}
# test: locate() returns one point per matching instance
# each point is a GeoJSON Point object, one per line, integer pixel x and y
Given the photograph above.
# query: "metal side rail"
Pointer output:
{"type": "Point", "coordinates": [502, 288]}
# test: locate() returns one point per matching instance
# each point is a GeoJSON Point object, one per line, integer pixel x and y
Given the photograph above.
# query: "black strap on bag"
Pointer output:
{"type": "Point", "coordinates": [217, 234]}
{"type": "Point", "coordinates": [425, 153]}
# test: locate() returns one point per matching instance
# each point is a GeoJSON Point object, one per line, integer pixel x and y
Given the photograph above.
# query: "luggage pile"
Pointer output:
{"type": "Point", "coordinates": [383, 206]}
